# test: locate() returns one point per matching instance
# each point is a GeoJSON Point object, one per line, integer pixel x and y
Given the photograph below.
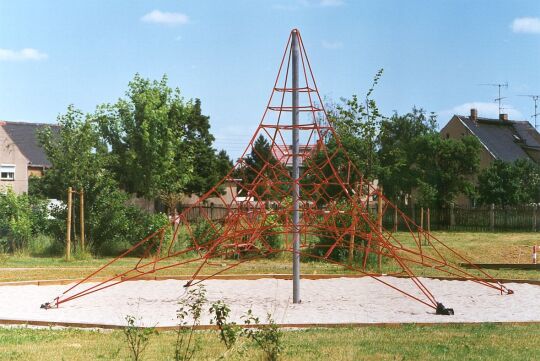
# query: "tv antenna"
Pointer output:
{"type": "Point", "coordinates": [535, 99]}
{"type": "Point", "coordinates": [499, 85]}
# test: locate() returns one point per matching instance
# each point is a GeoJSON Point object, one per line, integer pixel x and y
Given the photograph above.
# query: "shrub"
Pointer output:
{"type": "Point", "coordinates": [342, 220]}
{"type": "Point", "coordinates": [267, 337]}
{"type": "Point", "coordinates": [137, 338]}
{"type": "Point", "coordinates": [203, 232]}
{"type": "Point", "coordinates": [21, 218]}
{"type": "Point", "coordinates": [272, 234]}
{"type": "Point", "coordinates": [189, 307]}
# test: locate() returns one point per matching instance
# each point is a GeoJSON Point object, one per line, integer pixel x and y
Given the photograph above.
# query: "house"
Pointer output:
{"type": "Point", "coordinates": [20, 154]}
{"type": "Point", "coordinates": [501, 139]}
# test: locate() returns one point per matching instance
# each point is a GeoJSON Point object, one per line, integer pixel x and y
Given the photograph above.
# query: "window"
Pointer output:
{"type": "Point", "coordinates": [7, 172]}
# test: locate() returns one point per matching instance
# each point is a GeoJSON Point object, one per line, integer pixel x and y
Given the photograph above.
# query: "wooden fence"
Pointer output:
{"type": "Point", "coordinates": [203, 211]}
{"type": "Point", "coordinates": [479, 219]}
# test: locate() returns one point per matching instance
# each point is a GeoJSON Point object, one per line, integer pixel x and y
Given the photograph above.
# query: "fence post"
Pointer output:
{"type": "Point", "coordinates": [68, 224]}
{"type": "Point", "coordinates": [81, 218]}
{"type": "Point", "coordinates": [452, 216]}
{"type": "Point", "coordinates": [395, 219]}
{"type": "Point", "coordinates": [379, 226]}
{"type": "Point", "coordinates": [420, 234]}
{"type": "Point", "coordinates": [428, 224]}
{"type": "Point", "coordinates": [492, 217]}
{"type": "Point", "coordinates": [535, 206]}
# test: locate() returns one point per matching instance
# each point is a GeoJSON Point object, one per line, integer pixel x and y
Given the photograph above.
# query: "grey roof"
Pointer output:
{"type": "Point", "coordinates": [25, 137]}
{"type": "Point", "coordinates": [505, 139]}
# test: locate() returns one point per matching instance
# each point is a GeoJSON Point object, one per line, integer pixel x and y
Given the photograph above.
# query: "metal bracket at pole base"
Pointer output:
{"type": "Point", "coordinates": [49, 305]}
{"type": "Point", "coordinates": [441, 310]}
{"type": "Point", "coordinates": [46, 306]}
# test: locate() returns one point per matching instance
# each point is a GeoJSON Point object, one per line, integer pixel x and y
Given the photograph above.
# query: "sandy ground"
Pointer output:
{"type": "Point", "coordinates": [338, 300]}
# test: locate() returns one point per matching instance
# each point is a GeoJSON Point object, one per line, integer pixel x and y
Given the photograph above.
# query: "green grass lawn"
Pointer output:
{"type": "Point", "coordinates": [410, 342]}
{"type": "Point", "coordinates": [443, 342]}
{"type": "Point", "coordinates": [478, 247]}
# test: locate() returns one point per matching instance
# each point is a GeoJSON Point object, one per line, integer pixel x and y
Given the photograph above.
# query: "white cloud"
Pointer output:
{"type": "Point", "coordinates": [332, 44]}
{"type": "Point", "coordinates": [485, 110]}
{"type": "Point", "coordinates": [526, 25]}
{"type": "Point", "coordinates": [160, 17]}
{"type": "Point", "coordinates": [21, 55]}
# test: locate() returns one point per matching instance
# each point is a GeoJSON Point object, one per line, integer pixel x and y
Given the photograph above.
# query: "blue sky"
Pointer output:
{"type": "Point", "coordinates": [434, 54]}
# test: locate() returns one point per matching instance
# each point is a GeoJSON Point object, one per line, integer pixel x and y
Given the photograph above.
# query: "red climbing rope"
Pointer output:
{"type": "Point", "coordinates": [336, 206]}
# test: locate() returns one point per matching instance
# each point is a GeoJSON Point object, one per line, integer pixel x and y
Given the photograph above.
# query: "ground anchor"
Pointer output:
{"type": "Point", "coordinates": [441, 310]}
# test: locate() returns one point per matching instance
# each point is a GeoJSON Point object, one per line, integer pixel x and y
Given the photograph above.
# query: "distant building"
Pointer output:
{"type": "Point", "coordinates": [501, 139]}
{"type": "Point", "coordinates": [20, 154]}
{"type": "Point", "coordinates": [284, 154]}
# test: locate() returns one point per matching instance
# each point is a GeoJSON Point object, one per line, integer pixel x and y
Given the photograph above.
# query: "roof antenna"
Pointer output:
{"type": "Point", "coordinates": [535, 99]}
{"type": "Point", "coordinates": [504, 85]}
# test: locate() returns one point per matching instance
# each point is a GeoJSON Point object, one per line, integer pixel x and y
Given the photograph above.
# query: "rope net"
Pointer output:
{"type": "Point", "coordinates": [341, 212]}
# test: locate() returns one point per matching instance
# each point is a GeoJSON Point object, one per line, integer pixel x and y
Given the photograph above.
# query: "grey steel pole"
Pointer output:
{"type": "Point", "coordinates": [295, 169]}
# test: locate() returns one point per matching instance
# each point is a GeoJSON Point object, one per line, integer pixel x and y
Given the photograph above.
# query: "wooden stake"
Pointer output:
{"type": "Point", "coordinates": [395, 219]}
{"type": "Point", "coordinates": [379, 226]}
{"type": "Point", "coordinates": [81, 217]}
{"type": "Point", "coordinates": [420, 234]}
{"type": "Point", "coordinates": [351, 243]}
{"type": "Point", "coordinates": [68, 224]}
{"type": "Point", "coordinates": [428, 224]}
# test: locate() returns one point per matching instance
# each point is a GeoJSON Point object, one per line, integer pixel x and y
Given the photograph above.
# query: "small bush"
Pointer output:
{"type": "Point", "coordinates": [189, 307]}
{"type": "Point", "coordinates": [267, 337]}
{"type": "Point", "coordinates": [137, 338]}
{"type": "Point", "coordinates": [21, 217]}
{"type": "Point", "coordinates": [203, 233]}
{"type": "Point", "coordinates": [42, 245]}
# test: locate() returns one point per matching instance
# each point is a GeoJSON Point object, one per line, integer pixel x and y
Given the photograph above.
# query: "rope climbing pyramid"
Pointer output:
{"type": "Point", "coordinates": [295, 191]}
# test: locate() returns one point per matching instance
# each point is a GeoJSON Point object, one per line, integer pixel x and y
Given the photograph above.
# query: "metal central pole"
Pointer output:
{"type": "Point", "coordinates": [295, 169]}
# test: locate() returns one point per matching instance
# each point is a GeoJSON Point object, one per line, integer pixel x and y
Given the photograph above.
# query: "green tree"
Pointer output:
{"type": "Point", "coordinates": [398, 140]}
{"type": "Point", "coordinates": [209, 167]}
{"type": "Point", "coordinates": [509, 183]}
{"type": "Point", "coordinates": [357, 124]}
{"type": "Point", "coordinates": [147, 135]}
{"type": "Point", "coordinates": [446, 168]}
{"type": "Point", "coordinates": [81, 160]}
{"type": "Point", "coordinates": [258, 169]}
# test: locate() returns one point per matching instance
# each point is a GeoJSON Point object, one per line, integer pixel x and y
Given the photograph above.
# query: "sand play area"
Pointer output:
{"type": "Point", "coordinates": [326, 301]}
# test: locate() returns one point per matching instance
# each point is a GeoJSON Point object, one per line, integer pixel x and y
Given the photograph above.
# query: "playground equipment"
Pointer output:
{"type": "Point", "coordinates": [309, 190]}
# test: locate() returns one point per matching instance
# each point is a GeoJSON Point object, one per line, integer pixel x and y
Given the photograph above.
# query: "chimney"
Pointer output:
{"type": "Point", "coordinates": [503, 117]}
{"type": "Point", "coordinates": [474, 114]}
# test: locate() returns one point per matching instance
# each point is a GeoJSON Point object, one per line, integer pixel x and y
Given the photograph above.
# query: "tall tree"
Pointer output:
{"type": "Point", "coordinates": [357, 123]}
{"type": "Point", "coordinates": [506, 184]}
{"type": "Point", "coordinates": [147, 134]}
{"type": "Point", "coordinates": [208, 165]}
{"type": "Point", "coordinates": [80, 160]}
{"type": "Point", "coordinates": [446, 168]}
{"type": "Point", "coordinates": [258, 168]}
{"type": "Point", "coordinates": [78, 157]}
{"type": "Point", "coordinates": [398, 139]}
